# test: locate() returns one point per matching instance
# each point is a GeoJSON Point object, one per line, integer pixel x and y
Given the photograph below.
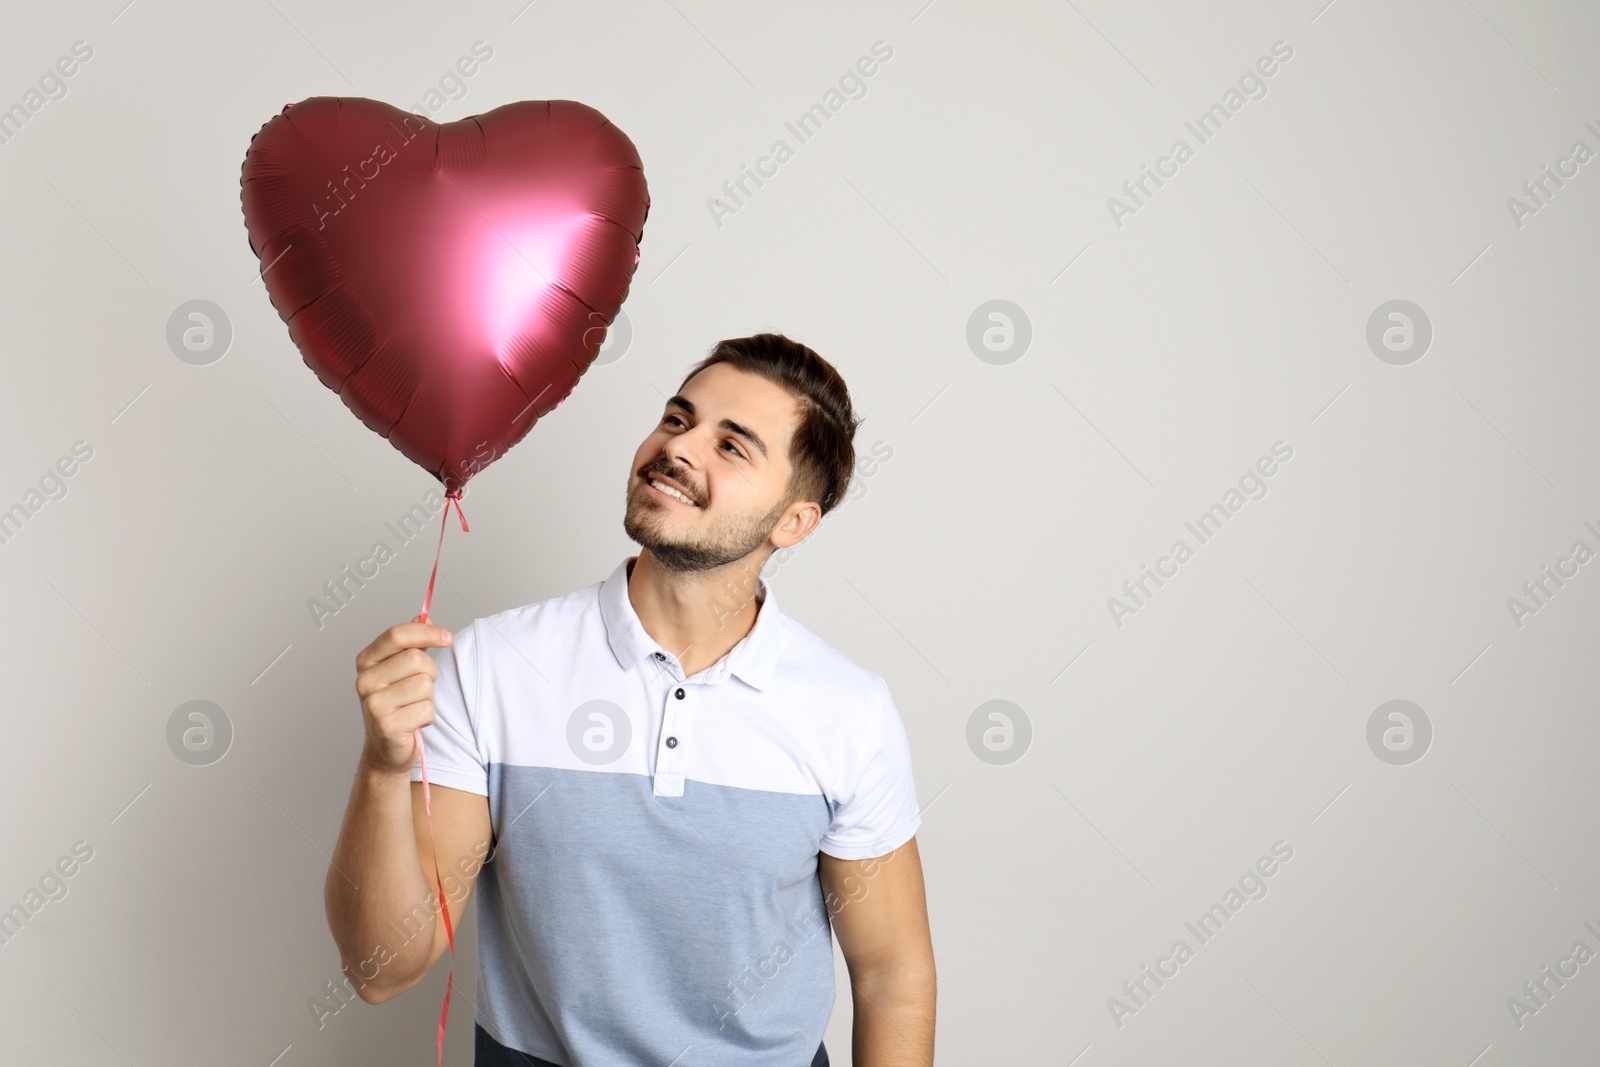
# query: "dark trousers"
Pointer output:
{"type": "Point", "coordinates": [487, 1052]}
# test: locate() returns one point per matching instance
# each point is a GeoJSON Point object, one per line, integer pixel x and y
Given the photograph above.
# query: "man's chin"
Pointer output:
{"type": "Point", "coordinates": [650, 535]}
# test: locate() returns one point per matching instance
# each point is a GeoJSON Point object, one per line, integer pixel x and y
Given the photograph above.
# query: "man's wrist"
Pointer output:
{"type": "Point", "coordinates": [374, 774]}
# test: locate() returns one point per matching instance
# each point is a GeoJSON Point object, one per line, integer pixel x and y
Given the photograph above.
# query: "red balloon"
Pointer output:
{"type": "Point", "coordinates": [451, 282]}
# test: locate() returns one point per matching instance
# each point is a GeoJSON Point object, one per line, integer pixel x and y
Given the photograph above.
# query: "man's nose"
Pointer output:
{"type": "Point", "coordinates": [687, 448]}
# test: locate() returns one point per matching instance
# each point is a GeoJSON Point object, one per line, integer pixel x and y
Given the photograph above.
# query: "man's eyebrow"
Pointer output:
{"type": "Point", "coordinates": [726, 424]}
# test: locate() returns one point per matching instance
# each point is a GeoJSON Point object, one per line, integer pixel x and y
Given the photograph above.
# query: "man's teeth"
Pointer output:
{"type": "Point", "coordinates": [667, 489]}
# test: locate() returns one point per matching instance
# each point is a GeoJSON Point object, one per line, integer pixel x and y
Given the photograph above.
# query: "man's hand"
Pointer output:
{"type": "Point", "coordinates": [395, 682]}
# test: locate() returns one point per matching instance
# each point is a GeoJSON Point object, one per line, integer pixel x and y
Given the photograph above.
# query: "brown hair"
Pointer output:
{"type": "Point", "coordinates": [822, 451]}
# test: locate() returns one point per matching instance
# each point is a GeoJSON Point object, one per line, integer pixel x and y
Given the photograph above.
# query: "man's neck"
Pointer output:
{"type": "Point", "coordinates": [698, 617]}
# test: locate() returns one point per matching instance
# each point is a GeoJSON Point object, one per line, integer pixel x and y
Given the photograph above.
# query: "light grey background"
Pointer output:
{"type": "Point", "coordinates": [1167, 354]}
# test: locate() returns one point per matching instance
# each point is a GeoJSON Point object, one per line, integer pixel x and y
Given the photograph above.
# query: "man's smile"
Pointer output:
{"type": "Point", "coordinates": [664, 489]}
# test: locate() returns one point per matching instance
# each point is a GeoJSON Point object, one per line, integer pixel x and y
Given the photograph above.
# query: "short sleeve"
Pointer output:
{"type": "Point", "coordinates": [877, 811]}
{"type": "Point", "coordinates": [450, 743]}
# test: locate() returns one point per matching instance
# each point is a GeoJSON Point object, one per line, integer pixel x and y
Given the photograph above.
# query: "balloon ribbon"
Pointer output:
{"type": "Point", "coordinates": [453, 496]}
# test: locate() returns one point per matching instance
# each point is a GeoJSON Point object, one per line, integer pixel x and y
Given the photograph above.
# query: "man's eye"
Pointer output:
{"type": "Point", "coordinates": [671, 418]}
{"type": "Point", "coordinates": [736, 450]}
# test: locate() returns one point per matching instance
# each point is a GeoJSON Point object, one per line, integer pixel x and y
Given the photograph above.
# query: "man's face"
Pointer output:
{"type": "Point", "coordinates": [724, 443]}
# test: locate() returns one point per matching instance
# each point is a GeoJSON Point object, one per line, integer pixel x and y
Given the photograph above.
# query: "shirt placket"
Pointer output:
{"type": "Point", "coordinates": [671, 757]}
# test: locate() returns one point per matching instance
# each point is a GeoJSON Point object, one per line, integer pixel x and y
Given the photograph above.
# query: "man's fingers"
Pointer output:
{"type": "Point", "coordinates": [403, 664]}
{"type": "Point", "coordinates": [407, 691]}
{"type": "Point", "coordinates": [414, 716]}
{"type": "Point", "coordinates": [402, 636]}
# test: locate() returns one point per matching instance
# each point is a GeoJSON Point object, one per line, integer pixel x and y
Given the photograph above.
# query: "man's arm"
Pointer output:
{"type": "Point", "coordinates": [381, 895]}
{"type": "Point", "coordinates": [389, 932]}
{"type": "Point", "coordinates": [879, 911]}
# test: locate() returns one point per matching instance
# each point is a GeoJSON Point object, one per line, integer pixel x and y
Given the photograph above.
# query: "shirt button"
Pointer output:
{"type": "Point", "coordinates": [672, 742]}
{"type": "Point", "coordinates": [660, 656]}
{"type": "Point", "coordinates": [679, 694]}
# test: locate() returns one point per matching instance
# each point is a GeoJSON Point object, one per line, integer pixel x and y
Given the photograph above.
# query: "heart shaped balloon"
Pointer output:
{"type": "Point", "coordinates": [451, 282]}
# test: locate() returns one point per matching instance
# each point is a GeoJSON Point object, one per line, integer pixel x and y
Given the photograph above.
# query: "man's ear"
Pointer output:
{"type": "Point", "coordinates": [798, 526]}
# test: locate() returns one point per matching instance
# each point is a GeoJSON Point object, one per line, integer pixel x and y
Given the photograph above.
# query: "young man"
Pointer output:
{"type": "Point", "coordinates": [673, 791]}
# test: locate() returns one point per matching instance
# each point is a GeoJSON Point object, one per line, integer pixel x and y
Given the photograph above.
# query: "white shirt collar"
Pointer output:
{"type": "Point", "coordinates": [753, 659]}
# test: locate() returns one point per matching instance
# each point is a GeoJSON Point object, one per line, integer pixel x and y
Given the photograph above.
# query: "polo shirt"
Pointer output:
{"type": "Point", "coordinates": [652, 895]}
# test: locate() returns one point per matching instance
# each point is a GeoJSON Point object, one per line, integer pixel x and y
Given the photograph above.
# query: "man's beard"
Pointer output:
{"type": "Point", "coordinates": [730, 542]}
